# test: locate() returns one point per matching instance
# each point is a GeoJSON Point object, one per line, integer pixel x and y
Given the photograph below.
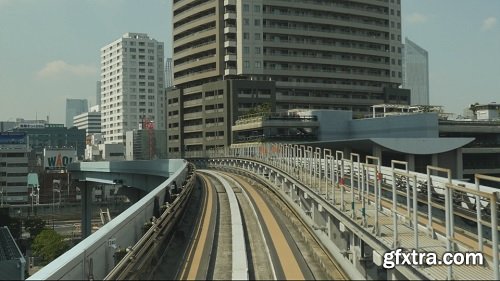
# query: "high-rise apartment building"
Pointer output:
{"type": "Point", "coordinates": [132, 85]}
{"type": "Point", "coordinates": [416, 72]}
{"type": "Point", "coordinates": [169, 74]}
{"type": "Point", "coordinates": [323, 54]}
{"type": "Point", "coordinates": [98, 93]}
{"type": "Point", "coordinates": [75, 107]}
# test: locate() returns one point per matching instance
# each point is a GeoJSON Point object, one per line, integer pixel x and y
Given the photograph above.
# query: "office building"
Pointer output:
{"type": "Point", "coordinates": [132, 85]}
{"type": "Point", "coordinates": [319, 55]}
{"type": "Point", "coordinates": [416, 72]}
{"type": "Point", "coordinates": [75, 107]}
{"type": "Point", "coordinates": [14, 152]}
{"type": "Point", "coordinates": [6, 125]}
{"type": "Point", "coordinates": [54, 136]}
{"type": "Point", "coordinates": [89, 121]}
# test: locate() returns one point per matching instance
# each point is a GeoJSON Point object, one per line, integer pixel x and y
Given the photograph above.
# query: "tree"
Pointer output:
{"type": "Point", "coordinates": [34, 226]}
{"type": "Point", "coordinates": [48, 245]}
{"type": "Point", "coordinates": [264, 108]}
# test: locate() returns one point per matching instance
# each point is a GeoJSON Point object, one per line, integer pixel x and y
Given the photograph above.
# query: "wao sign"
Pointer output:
{"type": "Point", "coordinates": [58, 159]}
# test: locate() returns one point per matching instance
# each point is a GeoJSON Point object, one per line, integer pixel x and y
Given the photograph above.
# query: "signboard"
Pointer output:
{"type": "Point", "coordinates": [58, 159]}
{"type": "Point", "coordinates": [12, 138]}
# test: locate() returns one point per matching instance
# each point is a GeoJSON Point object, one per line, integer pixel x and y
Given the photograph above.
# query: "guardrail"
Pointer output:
{"type": "Point", "coordinates": [94, 257]}
{"type": "Point", "coordinates": [137, 260]}
{"type": "Point", "coordinates": [472, 202]}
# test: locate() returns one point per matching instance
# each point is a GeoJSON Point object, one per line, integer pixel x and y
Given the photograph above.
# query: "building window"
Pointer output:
{"type": "Point", "coordinates": [257, 22]}
{"type": "Point", "coordinates": [257, 50]}
{"type": "Point", "coordinates": [257, 36]}
{"type": "Point", "coordinates": [256, 8]}
{"type": "Point", "coordinates": [246, 8]}
{"type": "Point", "coordinates": [258, 64]}
{"type": "Point", "coordinates": [246, 21]}
{"type": "Point", "coordinates": [246, 64]}
{"type": "Point", "coordinates": [246, 50]}
{"type": "Point", "coordinates": [246, 35]}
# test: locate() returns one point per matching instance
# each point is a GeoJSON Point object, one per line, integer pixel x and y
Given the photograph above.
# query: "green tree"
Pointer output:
{"type": "Point", "coordinates": [34, 226]}
{"type": "Point", "coordinates": [48, 245]}
{"type": "Point", "coordinates": [264, 108]}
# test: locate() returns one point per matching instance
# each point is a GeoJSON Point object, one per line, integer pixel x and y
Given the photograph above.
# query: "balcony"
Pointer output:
{"type": "Point", "coordinates": [229, 29]}
{"type": "Point", "coordinates": [230, 15]}
{"type": "Point", "coordinates": [230, 43]}
{"type": "Point", "coordinates": [230, 58]}
{"type": "Point", "coordinates": [230, 71]}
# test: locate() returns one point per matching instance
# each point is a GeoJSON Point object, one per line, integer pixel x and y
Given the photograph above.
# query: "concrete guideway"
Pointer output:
{"type": "Point", "coordinates": [271, 251]}
{"type": "Point", "coordinates": [239, 251]}
{"type": "Point", "coordinates": [299, 251]}
{"type": "Point", "coordinates": [197, 265]}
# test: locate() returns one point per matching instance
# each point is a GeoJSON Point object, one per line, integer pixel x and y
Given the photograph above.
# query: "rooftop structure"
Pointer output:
{"type": "Point", "coordinates": [288, 127]}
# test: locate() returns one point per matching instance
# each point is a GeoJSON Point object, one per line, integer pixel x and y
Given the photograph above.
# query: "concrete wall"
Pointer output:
{"type": "Point", "coordinates": [126, 229]}
{"type": "Point", "coordinates": [424, 125]}
{"type": "Point", "coordinates": [334, 124]}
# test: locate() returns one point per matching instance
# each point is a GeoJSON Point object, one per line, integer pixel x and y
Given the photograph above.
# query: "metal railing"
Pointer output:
{"type": "Point", "coordinates": [327, 174]}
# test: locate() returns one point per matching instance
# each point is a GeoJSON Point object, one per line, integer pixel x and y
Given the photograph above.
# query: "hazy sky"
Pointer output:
{"type": "Point", "coordinates": [49, 49]}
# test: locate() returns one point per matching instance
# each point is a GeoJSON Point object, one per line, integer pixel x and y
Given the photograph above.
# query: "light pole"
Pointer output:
{"type": "Point", "coordinates": [55, 183]}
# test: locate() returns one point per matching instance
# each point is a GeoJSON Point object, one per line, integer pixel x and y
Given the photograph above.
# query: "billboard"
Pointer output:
{"type": "Point", "coordinates": [58, 159]}
{"type": "Point", "coordinates": [12, 138]}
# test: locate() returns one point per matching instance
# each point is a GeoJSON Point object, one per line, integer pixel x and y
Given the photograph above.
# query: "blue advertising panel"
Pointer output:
{"type": "Point", "coordinates": [12, 138]}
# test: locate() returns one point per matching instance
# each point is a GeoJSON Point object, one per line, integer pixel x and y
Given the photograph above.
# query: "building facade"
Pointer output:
{"type": "Point", "coordinates": [322, 54]}
{"type": "Point", "coordinates": [199, 118]}
{"type": "Point", "coordinates": [54, 136]}
{"type": "Point", "coordinates": [416, 72]}
{"type": "Point", "coordinates": [319, 54]}
{"type": "Point", "coordinates": [132, 85]}
{"type": "Point", "coordinates": [169, 74]}
{"type": "Point", "coordinates": [483, 154]}
{"type": "Point", "coordinates": [14, 153]}
{"type": "Point", "coordinates": [89, 121]}
{"type": "Point", "coordinates": [146, 145]}
{"type": "Point", "coordinates": [75, 107]}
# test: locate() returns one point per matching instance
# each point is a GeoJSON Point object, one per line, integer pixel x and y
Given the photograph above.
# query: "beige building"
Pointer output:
{"type": "Point", "coordinates": [320, 54]}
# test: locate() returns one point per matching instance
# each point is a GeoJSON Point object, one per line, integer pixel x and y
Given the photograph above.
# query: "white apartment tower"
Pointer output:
{"type": "Point", "coordinates": [132, 85]}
